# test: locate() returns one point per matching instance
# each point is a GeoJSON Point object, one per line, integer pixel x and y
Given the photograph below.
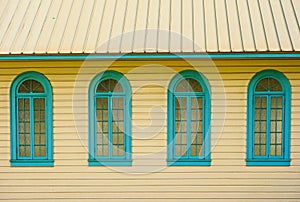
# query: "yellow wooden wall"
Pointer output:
{"type": "Point", "coordinates": [149, 179]}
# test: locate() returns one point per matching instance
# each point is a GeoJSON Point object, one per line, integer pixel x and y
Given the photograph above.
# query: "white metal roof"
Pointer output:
{"type": "Point", "coordinates": [148, 26]}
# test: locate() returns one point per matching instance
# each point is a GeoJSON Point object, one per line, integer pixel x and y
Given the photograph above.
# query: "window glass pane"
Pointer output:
{"type": "Point", "coordinates": [37, 87]}
{"type": "Point", "coordinates": [25, 87]}
{"type": "Point", "coordinates": [102, 126]}
{"type": "Point", "coordinates": [276, 126]}
{"type": "Point", "coordinates": [275, 85]}
{"type": "Point", "coordinates": [102, 150]}
{"type": "Point", "coordinates": [196, 125]}
{"type": "Point", "coordinates": [260, 128]}
{"type": "Point", "coordinates": [24, 127]}
{"type": "Point", "coordinates": [118, 150]}
{"type": "Point", "coordinates": [259, 150]}
{"type": "Point", "coordinates": [183, 86]}
{"type": "Point", "coordinates": [109, 85]}
{"type": "Point", "coordinates": [263, 85]}
{"type": "Point", "coordinates": [181, 146]}
{"type": "Point", "coordinates": [260, 144]}
{"type": "Point", "coordinates": [32, 86]}
{"type": "Point", "coordinates": [196, 147]}
{"type": "Point", "coordinates": [24, 150]}
{"type": "Point", "coordinates": [260, 114]}
{"type": "Point", "coordinates": [194, 86]}
{"type": "Point", "coordinates": [181, 123]}
{"type": "Point", "coordinates": [276, 108]}
{"type": "Point", "coordinates": [117, 144]}
{"type": "Point", "coordinates": [39, 127]}
{"type": "Point", "coordinates": [268, 84]}
{"type": "Point", "coordinates": [117, 126]}
{"type": "Point", "coordinates": [188, 85]}
{"type": "Point", "coordinates": [276, 144]}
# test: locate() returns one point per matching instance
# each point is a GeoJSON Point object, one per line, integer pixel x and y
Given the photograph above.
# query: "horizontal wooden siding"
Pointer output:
{"type": "Point", "coordinates": [149, 179]}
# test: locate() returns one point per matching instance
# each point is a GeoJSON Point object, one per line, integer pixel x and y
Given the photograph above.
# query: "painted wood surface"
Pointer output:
{"type": "Point", "coordinates": [149, 179]}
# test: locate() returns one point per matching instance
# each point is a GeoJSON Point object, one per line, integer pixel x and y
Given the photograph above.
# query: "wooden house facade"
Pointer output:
{"type": "Point", "coordinates": [139, 100]}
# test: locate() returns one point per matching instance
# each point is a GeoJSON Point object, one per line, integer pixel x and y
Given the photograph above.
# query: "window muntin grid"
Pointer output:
{"type": "Point", "coordinates": [110, 136]}
{"type": "Point", "coordinates": [268, 122]}
{"type": "Point", "coordinates": [31, 121]}
{"type": "Point", "coordinates": [189, 126]}
{"type": "Point", "coordinates": [189, 120]}
{"type": "Point", "coordinates": [268, 101]}
{"type": "Point", "coordinates": [110, 120]}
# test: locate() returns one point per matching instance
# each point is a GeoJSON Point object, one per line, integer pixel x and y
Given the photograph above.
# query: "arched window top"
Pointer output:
{"type": "Point", "coordinates": [189, 81]}
{"type": "Point", "coordinates": [188, 85]}
{"type": "Point", "coordinates": [109, 120]}
{"type": "Point", "coordinates": [189, 119]}
{"type": "Point", "coordinates": [109, 86]}
{"type": "Point", "coordinates": [269, 81]}
{"type": "Point", "coordinates": [110, 82]}
{"type": "Point", "coordinates": [31, 86]}
{"type": "Point", "coordinates": [268, 84]}
{"type": "Point", "coordinates": [31, 120]}
{"type": "Point", "coordinates": [268, 121]}
{"type": "Point", "coordinates": [31, 82]}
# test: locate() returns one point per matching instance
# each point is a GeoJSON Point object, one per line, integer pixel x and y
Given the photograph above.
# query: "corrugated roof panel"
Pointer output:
{"type": "Point", "coordinates": [283, 35]}
{"type": "Point", "coordinates": [234, 27]}
{"type": "Point", "coordinates": [6, 17]}
{"type": "Point", "coordinates": [124, 26]}
{"type": "Point", "coordinates": [163, 40]}
{"type": "Point", "coordinates": [176, 27]}
{"type": "Point", "coordinates": [60, 26]}
{"type": "Point", "coordinates": [291, 21]}
{"type": "Point", "coordinates": [210, 26]}
{"type": "Point", "coordinates": [222, 27]}
{"type": "Point", "coordinates": [12, 30]}
{"type": "Point", "coordinates": [199, 26]}
{"type": "Point", "coordinates": [48, 27]}
{"type": "Point", "coordinates": [36, 28]}
{"type": "Point", "coordinates": [140, 26]}
{"type": "Point", "coordinates": [129, 26]}
{"type": "Point", "coordinates": [246, 26]}
{"type": "Point", "coordinates": [117, 27]}
{"type": "Point", "coordinates": [269, 25]}
{"type": "Point", "coordinates": [257, 26]}
{"type": "Point", "coordinates": [4, 4]}
{"type": "Point", "coordinates": [25, 27]}
{"type": "Point", "coordinates": [70, 29]}
{"type": "Point", "coordinates": [94, 27]}
{"type": "Point", "coordinates": [187, 42]}
{"type": "Point", "coordinates": [106, 26]}
{"type": "Point", "coordinates": [296, 8]}
{"type": "Point", "coordinates": [83, 26]}
{"type": "Point", "coordinates": [152, 26]}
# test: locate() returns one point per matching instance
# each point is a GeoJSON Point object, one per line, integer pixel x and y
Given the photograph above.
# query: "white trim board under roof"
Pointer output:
{"type": "Point", "coordinates": [148, 26]}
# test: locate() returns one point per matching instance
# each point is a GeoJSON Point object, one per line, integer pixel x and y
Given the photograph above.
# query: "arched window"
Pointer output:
{"type": "Point", "coordinates": [31, 120]}
{"type": "Point", "coordinates": [269, 102]}
{"type": "Point", "coordinates": [110, 120]}
{"type": "Point", "coordinates": [189, 119]}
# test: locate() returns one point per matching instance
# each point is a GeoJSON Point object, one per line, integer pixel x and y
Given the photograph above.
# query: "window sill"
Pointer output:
{"type": "Point", "coordinates": [32, 163]}
{"type": "Point", "coordinates": [188, 163]}
{"type": "Point", "coordinates": [110, 162]}
{"type": "Point", "coordinates": [279, 162]}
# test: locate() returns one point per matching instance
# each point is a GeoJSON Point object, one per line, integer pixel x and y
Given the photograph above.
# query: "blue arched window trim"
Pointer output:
{"type": "Point", "coordinates": [16, 160]}
{"type": "Point", "coordinates": [284, 160]}
{"type": "Point", "coordinates": [126, 159]}
{"type": "Point", "coordinates": [172, 159]}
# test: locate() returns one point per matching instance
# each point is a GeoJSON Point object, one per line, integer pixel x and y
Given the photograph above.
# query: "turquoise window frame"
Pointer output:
{"type": "Point", "coordinates": [47, 95]}
{"type": "Point", "coordinates": [93, 159]}
{"type": "Point", "coordinates": [205, 160]}
{"type": "Point", "coordinates": [284, 160]}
